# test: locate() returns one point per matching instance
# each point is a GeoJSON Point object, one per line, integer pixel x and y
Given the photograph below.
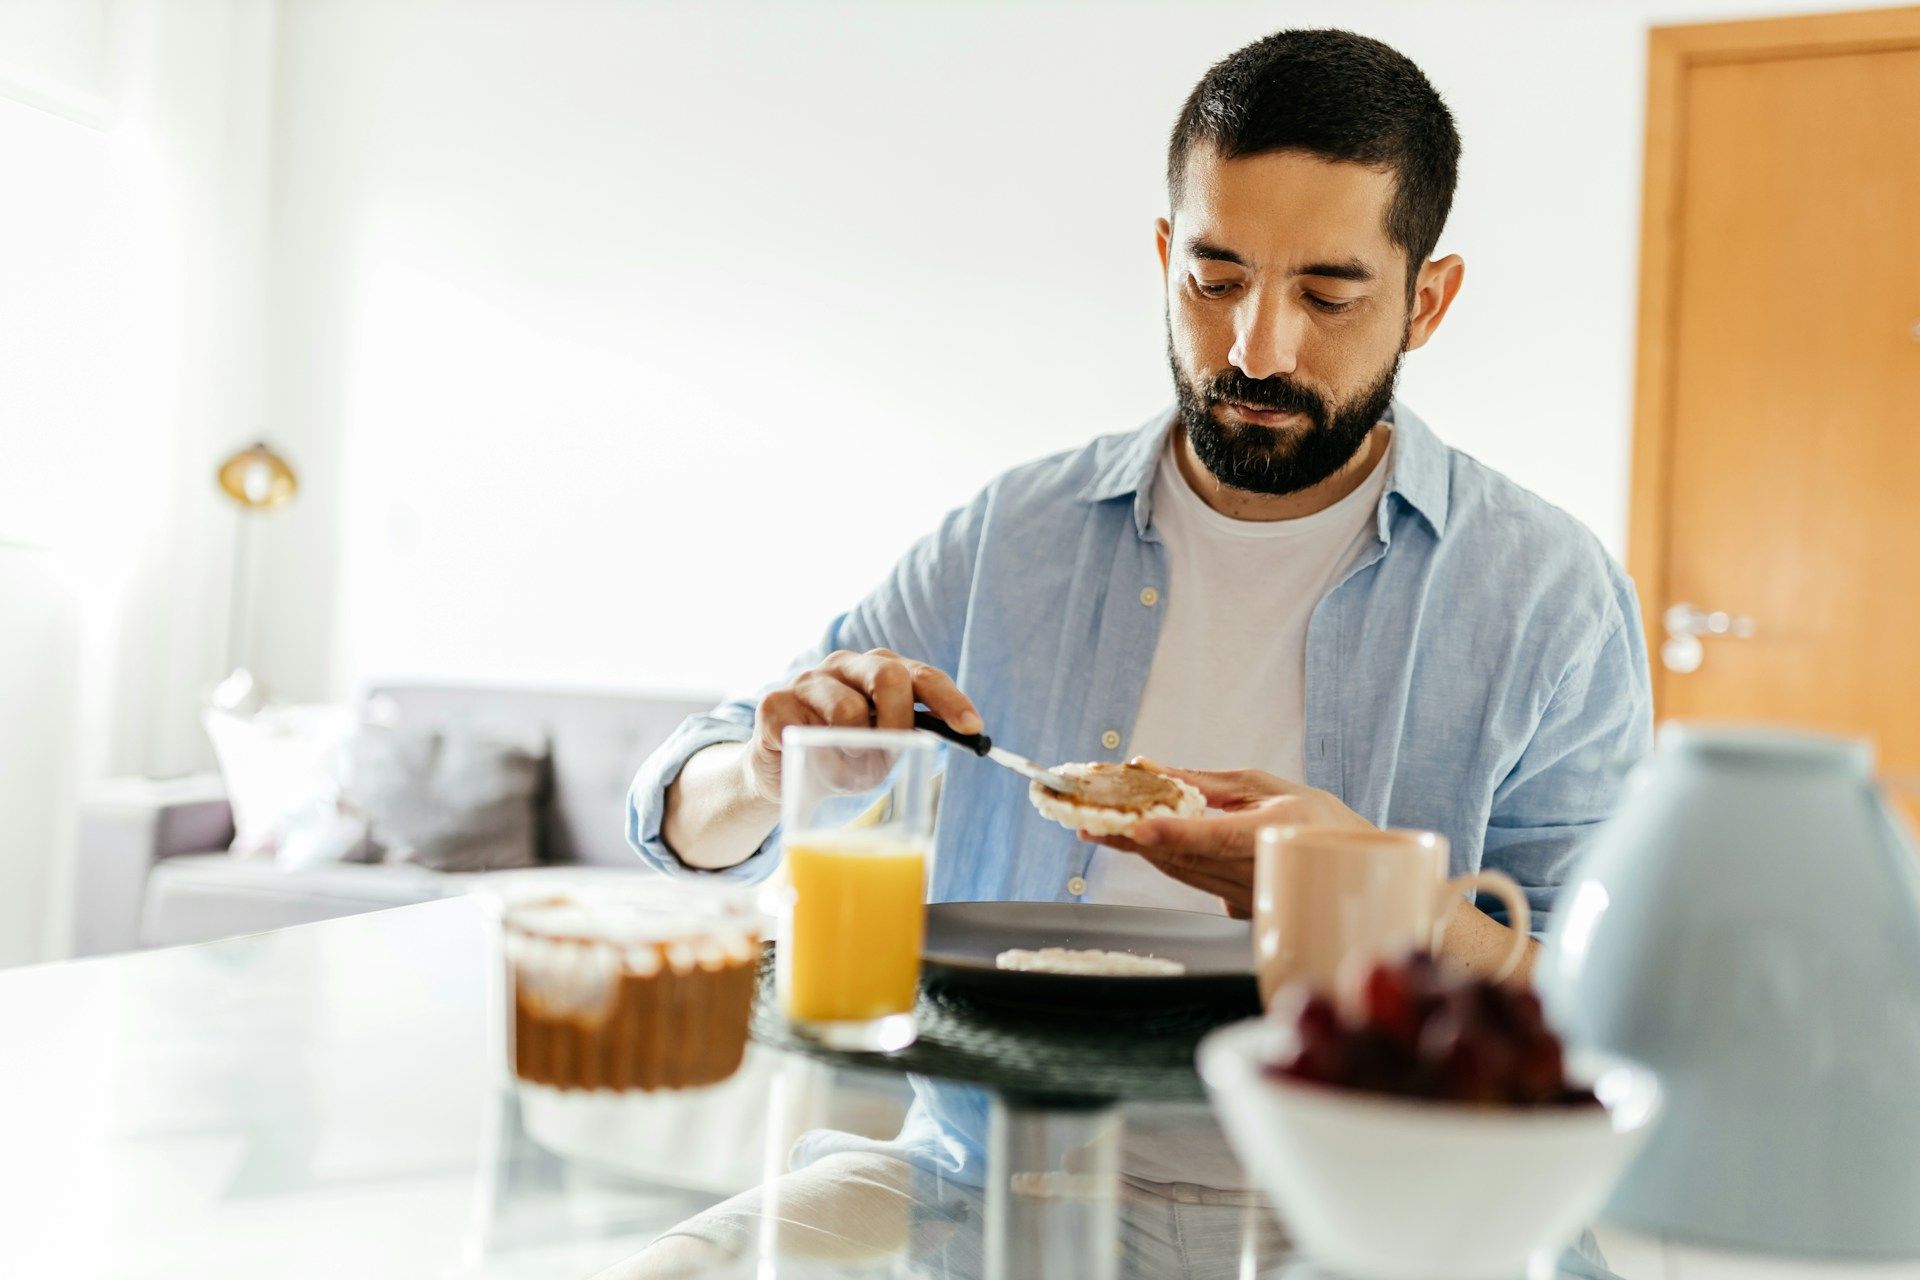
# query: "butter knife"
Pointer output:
{"type": "Point", "coordinates": [981, 745]}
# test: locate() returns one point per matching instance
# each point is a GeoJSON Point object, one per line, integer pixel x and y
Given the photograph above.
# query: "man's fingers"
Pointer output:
{"type": "Point", "coordinates": [943, 697]}
{"type": "Point", "coordinates": [1204, 877]}
{"type": "Point", "coordinates": [882, 679]}
{"type": "Point", "coordinates": [833, 701]}
{"type": "Point", "coordinates": [1202, 872]}
{"type": "Point", "coordinates": [1197, 868]}
{"type": "Point", "coordinates": [1232, 890]}
{"type": "Point", "coordinates": [1226, 836]}
{"type": "Point", "coordinates": [1227, 788]}
{"type": "Point", "coordinates": [1228, 879]}
{"type": "Point", "coordinates": [891, 691]}
{"type": "Point", "coordinates": [892, 684]}
{"type": "Point", "coordinates": [854, 691]}
{"type": "Point", "coordinates": [778, 710]}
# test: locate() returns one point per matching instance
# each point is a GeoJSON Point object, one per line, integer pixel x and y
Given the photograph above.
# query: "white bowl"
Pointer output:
{"type": "Point", "coordinates": [1398, 1188]}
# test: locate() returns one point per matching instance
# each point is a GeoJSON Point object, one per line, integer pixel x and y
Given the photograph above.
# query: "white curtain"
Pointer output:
{"type": "Point", "coordinates": [134, 135]}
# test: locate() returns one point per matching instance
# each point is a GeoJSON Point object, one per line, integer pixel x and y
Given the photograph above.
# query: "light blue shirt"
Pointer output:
{"type": "Point", "coordinates": [1479, 670]}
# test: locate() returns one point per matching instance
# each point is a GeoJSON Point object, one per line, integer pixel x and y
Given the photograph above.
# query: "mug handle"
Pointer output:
{"type": "Point", "coordinates": [1503, 887]}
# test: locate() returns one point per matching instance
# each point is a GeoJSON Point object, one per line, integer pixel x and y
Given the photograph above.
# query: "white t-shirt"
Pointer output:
{"type": "Point", "coordinates": [1227, 689]}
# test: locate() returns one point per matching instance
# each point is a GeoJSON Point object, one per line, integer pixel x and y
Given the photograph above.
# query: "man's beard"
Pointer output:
{"type": "Point", "coordinates": [1245, 455]}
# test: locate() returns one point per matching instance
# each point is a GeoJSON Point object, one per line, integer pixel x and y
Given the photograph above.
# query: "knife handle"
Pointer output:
{"type": "Point", "coordinates": [978, 743]}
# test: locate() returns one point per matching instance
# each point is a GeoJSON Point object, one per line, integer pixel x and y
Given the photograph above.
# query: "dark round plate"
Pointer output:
{"type": "Point", "coordinates": [964, 937]}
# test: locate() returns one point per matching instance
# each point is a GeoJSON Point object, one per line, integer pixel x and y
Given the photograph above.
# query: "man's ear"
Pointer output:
{"type": "Point", "coordinates": [1433, 293]}
{"type": "Point", "coordinates": [1163, 237]}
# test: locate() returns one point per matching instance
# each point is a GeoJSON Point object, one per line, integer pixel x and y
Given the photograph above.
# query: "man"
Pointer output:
{"type": "Point", "coordinates": [1286, 589]}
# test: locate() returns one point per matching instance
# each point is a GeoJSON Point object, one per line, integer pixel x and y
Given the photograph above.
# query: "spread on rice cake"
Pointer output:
{"type": "Point", "coordinates": [1115, 797]}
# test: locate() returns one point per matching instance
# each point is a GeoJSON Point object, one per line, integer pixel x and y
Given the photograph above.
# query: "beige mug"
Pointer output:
{"type": "Point", "coordinates": [1326, 897]}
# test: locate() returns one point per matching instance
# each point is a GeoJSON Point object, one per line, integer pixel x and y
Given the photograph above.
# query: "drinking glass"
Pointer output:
{"type": "Point", "coordinates": [856, 812]}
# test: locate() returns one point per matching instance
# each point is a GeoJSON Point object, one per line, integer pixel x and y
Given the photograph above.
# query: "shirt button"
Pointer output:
{"type": "Point", "coordinates": [1077, 886]}
{"type": "Point", "coordinates": [1149, 597]}
{"type": "Point", "coordinates": [1110, 740]}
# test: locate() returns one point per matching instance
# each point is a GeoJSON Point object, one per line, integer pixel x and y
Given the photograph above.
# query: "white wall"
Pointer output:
{"type": "Point", "coordinates": [624, 343]}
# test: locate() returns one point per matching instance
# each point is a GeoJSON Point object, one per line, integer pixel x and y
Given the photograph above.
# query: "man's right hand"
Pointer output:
{"type": "Point", "coordinates": [876, 689]}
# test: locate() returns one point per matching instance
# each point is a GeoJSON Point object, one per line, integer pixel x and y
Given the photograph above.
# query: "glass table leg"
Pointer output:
{"type": "Point", "coordinates": [1053, 1191]}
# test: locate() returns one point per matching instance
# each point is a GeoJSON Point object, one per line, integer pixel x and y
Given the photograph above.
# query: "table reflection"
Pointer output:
{"type": "Point", "coordinates": [1051, 1195]}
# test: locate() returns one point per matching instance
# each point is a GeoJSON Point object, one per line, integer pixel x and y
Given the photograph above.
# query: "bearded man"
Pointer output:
{"type": "Point", "coordinates": [1285, 587]}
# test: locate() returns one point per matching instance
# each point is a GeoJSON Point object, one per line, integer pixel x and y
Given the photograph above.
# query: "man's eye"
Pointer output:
{"type": "Point", "coordinates": [1213, 289]}
{"type": "Point", "coordinates": [1329, 305]}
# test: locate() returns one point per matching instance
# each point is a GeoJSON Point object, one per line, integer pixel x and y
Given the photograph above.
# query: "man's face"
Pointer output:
{"type": "Point", "coordinates": [1287, 314]}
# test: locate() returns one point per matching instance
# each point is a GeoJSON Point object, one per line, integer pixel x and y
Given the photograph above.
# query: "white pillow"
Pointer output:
{"type": "Point", "coordinates": [280, 765]}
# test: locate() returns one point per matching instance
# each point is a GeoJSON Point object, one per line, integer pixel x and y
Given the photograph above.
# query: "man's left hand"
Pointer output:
{"type": "Point", "coordinates": [1214, 853]}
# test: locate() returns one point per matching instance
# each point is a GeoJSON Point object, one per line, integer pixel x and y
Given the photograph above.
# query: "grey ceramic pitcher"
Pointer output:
{"type": "Point", "coordinates": [1748, 924]}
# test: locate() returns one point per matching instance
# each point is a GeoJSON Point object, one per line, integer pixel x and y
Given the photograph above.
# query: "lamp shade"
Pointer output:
{"type": "Point", "coordinates": [258, 479]}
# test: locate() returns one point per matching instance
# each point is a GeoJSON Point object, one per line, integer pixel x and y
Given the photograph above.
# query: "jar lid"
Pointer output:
{"type": "Point", "coordinates": [626, 910]}
{"type": "Point", "coordinates": [1768, 745]}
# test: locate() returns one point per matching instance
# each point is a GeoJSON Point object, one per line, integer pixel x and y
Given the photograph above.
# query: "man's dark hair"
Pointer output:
{"type": "Point", "coordinates": [1336, 95]}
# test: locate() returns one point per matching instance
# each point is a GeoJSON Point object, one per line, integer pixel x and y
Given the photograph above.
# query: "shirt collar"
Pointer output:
{"type": "Point", "coordinates": [1422, 471]}
{"type": "Point", "coordinates": [1420, 468]}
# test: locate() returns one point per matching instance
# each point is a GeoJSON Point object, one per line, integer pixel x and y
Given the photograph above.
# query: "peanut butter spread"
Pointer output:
{"type": "Point", "coordinates": [1125, 787]}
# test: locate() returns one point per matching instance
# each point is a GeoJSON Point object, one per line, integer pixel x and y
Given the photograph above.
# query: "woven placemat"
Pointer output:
{"type": "Point", "coordinates": [1135, 1058]}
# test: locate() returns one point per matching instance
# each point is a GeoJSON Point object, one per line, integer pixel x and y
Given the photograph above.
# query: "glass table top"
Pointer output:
{"type": "Point", "coordinates": [331, 1099]}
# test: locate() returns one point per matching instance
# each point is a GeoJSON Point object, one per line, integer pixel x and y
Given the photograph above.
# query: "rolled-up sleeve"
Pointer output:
{"type": "Point", "coordinates": [918, 611]}
{"type": "Point", "coordinates": [1598, 722]}
{"type": "Point", "coordinates": [647, 797]}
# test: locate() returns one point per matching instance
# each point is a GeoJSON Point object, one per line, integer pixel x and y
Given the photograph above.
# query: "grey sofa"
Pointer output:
{"type": "Point", "coordinates": [151, 863]}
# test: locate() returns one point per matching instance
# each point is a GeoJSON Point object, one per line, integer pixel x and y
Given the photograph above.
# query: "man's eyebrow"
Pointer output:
{"type": "Point", "coordinates": [1214, 253]}
{"type": "Point", "coordinates": [1344, 269]}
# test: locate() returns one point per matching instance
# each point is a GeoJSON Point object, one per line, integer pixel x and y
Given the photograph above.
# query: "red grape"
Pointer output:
{"type": "Point", "coordinates": [1415, 1029]}
{"type": "Point", "coordinates": [1539, 1071]}
{"type": "Point", "coordinates": [1387, 997]}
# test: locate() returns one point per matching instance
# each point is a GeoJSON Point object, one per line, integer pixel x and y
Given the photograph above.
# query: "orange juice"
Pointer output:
{"type": "Point", "coordinates": [852, 949]}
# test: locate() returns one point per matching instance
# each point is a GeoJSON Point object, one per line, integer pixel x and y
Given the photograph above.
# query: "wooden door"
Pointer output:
{"type": "Point", "coordinates": [1777, 441]}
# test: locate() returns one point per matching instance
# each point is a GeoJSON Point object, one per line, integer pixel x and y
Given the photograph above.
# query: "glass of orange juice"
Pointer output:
{"type": "Point", "coordinates": [856, 816]}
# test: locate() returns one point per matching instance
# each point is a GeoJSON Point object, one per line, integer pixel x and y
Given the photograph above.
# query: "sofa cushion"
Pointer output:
{"type": "Point", "coordinates": [452, 799]}
{"type": "Point", "coordinates": [597, 741]}
{"type": "Point", "coordinates": [201, 897]}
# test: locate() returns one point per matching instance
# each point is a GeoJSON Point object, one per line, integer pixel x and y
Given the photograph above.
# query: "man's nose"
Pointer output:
{"type": "Point", "coordinates": [1267, 339]}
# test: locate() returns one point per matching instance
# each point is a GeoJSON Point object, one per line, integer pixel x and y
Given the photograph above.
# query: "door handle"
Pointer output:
{"type": "Point", "coordinates": [1686, 623]}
